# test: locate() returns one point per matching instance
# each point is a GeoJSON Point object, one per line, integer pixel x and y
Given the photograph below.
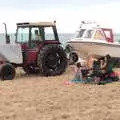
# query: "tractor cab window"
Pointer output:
{"type": "Point", "coordinates": [23, 34]}
{"type": "Point", "coordinates": [35, 34]}
{"type": "Point", "coordinates": [2, 33]}
{"type": "Point", "coordinates": [49, 34]}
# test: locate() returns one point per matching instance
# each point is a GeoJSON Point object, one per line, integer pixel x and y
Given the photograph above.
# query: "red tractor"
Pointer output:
{"type": "Point", "coordinates": [37, 49]}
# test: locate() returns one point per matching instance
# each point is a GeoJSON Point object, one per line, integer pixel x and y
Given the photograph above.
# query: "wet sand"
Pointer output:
{"type": "Point", "coordinates": [48, 98]}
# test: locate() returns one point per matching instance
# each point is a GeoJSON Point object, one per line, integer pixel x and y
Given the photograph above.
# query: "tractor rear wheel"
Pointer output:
{"type": "Point", "coordinates": [7, 71]}
{"type": "Point", "coordinates": [52, 60]}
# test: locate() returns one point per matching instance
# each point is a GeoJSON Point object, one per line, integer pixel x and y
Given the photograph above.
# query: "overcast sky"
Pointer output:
{"type": "Point", "coordinates": [67, 13]}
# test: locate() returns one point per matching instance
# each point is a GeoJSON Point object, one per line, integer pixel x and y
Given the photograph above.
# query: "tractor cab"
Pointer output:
{"type": "Point", "coordinates": [33, 34]}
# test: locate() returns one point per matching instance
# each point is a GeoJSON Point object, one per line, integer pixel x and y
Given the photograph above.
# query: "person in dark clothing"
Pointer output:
{"type": "Point", "coordinates": [107, 70]}
{"type": "Point", "coordinates": [107, 65]}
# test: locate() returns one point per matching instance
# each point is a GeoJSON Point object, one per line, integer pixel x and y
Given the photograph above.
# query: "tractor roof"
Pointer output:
{"type": "Point", "coordinates": [46, 24]}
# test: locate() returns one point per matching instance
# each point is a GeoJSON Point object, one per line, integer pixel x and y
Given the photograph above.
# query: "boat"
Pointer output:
{"type": "Point", "coordinates": [91, 39]}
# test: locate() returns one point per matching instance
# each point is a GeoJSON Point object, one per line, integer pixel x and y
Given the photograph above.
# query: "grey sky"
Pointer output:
{"type": "Point", "coordinates": [35, 4]}
{"type": "Point", "coordinates": [65, 12]}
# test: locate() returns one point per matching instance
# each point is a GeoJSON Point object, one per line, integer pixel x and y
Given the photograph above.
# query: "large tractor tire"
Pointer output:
{"type": "Point", "coordinates": [7, 71]}
{"type": "Point", "coordinates": [52, 60]}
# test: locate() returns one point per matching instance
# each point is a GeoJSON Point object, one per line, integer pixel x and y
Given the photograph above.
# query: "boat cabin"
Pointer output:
{"type": "Point", "coordinates": [92, 31]}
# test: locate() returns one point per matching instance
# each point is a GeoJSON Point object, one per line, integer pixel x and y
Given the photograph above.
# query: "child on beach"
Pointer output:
{"type": "Point", "coordinates": [80, 73]}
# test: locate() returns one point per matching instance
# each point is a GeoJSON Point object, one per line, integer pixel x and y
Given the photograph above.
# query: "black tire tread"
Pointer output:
{"type": "Point", "coordinates": [42, 56]}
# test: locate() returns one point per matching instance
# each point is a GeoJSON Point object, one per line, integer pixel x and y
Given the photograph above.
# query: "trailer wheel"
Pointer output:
{"type": "Point", "coordinates": [7, 71]}
{"type": "Point", "coordinates": [73, 57]}
{"type": "Point", "coordinates": [52, 60]}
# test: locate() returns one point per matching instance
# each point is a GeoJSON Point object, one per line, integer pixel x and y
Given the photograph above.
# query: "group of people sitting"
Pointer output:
{"type": "Point", "coordinates": [101, 71]}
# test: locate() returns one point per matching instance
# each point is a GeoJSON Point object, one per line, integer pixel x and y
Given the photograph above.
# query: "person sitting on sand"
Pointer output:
{"type": "Point", "coordinates": [107, 73]}
{"type": "Point", "coordinates": [81, 72]}
{"type": "Point", "coordinates": [107, 65]}
{"type": "Point", "coordinates": [85, 72]}
{"type": "Point", "coordinates": [95, 72]}
{"type": "Point", "coordinates": [78, 73]}
{"type": "Point", "coordinates": [107, 68]}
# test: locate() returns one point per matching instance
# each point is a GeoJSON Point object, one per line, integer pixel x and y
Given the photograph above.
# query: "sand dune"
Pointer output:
{"type": "Point", "coordinates": [48, 98]}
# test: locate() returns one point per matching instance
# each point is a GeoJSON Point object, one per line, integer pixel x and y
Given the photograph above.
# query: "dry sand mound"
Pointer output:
{"type": "Point", "coordinates": [47, 98]}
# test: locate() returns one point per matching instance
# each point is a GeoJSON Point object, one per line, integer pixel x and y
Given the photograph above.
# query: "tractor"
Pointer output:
{"type": "Point", "coordinates": [42, 54]}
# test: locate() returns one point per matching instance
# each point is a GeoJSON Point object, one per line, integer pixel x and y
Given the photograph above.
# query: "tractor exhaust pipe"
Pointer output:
{"type": "Point", "coordinates": [6, 35]}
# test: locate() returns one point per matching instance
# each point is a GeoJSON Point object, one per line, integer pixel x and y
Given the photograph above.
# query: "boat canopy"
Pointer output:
{"type": "Point", "coordinates": [94, 32]}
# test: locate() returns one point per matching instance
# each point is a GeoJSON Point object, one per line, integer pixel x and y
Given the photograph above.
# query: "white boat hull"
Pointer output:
{"type": "Point", "coordinates": [87, 48]}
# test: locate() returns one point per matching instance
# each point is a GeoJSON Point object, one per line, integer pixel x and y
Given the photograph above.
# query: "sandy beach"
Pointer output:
{"type": "Point", "coordinates": [48, 98]}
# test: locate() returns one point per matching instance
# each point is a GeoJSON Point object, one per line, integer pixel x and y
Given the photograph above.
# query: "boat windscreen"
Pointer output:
{"type": "Point", "coordinates": [80, 33]}
{"type": "Point", "coordinates": [89, 34]}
